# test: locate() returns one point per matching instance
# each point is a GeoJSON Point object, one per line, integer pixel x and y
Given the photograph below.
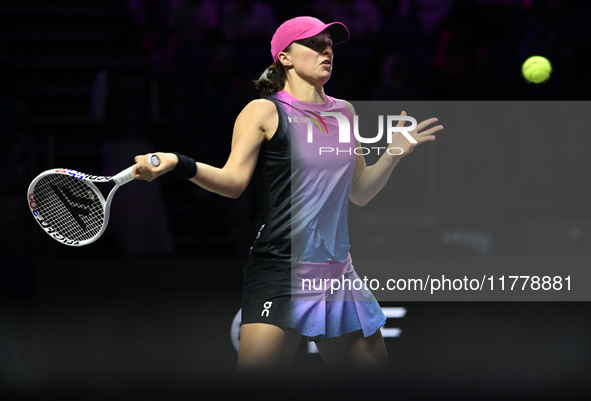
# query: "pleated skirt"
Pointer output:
{"type": "Point", "coordinates": [319, 300]}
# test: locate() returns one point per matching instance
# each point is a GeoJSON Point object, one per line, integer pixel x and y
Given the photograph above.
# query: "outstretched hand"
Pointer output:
{"type": "Point", "coordinates": [145, 171]}
{"type": "Point", "coordinates": [421, 134]}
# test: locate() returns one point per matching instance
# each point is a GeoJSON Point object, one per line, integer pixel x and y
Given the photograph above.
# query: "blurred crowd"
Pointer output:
{"type": "Point", "coordinates": [206, 53]}
{"type": "Point", "coordinates": [200, 58]}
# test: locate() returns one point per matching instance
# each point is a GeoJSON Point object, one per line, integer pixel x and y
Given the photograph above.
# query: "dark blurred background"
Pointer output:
{"type": "Point", "coordinates": [90, 84]}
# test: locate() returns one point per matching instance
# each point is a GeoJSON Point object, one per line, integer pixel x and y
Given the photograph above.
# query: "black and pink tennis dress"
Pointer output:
{"type": "Point", "coordinates": [299, 273]}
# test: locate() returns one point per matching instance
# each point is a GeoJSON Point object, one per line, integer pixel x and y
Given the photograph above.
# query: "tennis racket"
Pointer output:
{"type": "Point", "coordinates": [70, 208]}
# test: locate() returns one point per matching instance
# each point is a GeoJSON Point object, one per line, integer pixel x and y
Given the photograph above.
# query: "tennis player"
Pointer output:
{"type": "Point", "coordinates": [304, 197]}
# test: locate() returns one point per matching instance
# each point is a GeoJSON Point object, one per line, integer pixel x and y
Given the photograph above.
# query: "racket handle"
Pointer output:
{"type": "Point", "coordinates": [125, 176]}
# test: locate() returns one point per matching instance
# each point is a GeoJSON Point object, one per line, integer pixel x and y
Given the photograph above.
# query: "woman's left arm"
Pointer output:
{"type": "Point", "coordinates": [368, 181]}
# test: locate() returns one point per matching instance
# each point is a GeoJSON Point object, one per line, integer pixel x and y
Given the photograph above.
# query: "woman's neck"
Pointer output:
{"type": "Point", "coordinates": [305, 92]}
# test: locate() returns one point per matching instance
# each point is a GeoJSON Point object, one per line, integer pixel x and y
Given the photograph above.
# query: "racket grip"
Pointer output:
{"type": "Point", "coordinates": [124, 177]}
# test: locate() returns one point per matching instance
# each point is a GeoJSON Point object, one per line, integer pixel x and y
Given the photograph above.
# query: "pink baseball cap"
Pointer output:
{"type": "Point", "coordinates": [302, 28]}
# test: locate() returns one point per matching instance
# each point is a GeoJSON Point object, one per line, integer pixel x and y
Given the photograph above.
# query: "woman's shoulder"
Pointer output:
{"type": "Point", "coordinates": [342, 102]}
{"type": "Point", "coordinates": [260, 116]}
{"type": "Point", "coordinates": [261, 107]}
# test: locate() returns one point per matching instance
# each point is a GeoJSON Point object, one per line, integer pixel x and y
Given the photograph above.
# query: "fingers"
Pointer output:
{"type": "Point", "coordinates": [428, 134]}
{"type": "Point", "coordinates": [430, 131]}
{"type": "Point", "coordinates": [423, 139]}
{"type": "Point", "coordinates": [401, 122]}
{"type": "Point", "coordinates": [143, 170]}
{"type": "Point", "coordinates": [422, 133]}
{"type": "Point", "coordinates": [424, 124]}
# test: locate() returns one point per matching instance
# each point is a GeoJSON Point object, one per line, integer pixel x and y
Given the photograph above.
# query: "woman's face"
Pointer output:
{"type": "Point", "coordinates": [312, 57]}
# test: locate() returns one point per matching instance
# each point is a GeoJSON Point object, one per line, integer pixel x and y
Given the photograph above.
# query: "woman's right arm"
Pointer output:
{"type": "Point", "coordinates": [255, 124]}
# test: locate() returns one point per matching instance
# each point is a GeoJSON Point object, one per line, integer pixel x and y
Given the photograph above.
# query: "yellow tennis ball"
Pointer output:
{"type": "Point", "coordinates": [536, 69]}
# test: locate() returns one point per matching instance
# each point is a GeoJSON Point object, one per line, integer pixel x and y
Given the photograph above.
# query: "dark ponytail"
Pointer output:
{"type": "Point", "coordinates": [272, 79]}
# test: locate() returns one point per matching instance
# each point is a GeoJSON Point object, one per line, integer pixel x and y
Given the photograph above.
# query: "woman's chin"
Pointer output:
{"type": "Point", "coordinates": [325, 77]}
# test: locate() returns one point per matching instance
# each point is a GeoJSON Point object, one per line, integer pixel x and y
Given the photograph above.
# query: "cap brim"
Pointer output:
{"type": "Point", "coordinates": [338, 31]}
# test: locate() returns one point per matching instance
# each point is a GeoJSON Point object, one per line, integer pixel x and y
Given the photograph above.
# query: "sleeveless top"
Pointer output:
{"type": "Point", "coordinates": [303, 178]}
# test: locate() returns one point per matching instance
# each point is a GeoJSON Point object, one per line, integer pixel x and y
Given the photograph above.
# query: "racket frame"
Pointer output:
{"type": "Point", "coordinates": [119, 179]}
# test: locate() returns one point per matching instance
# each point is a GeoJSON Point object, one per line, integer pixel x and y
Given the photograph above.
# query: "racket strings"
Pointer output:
{"type": "Point", "coordinates": [69, 206]}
